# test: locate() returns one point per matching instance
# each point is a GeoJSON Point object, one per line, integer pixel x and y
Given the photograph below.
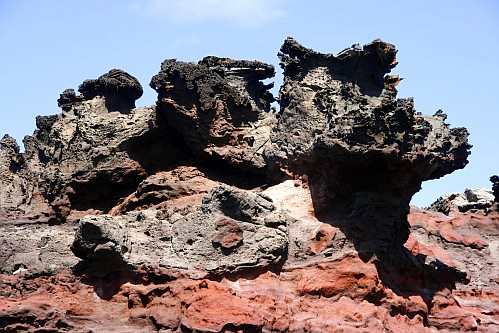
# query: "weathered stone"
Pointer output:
{"type": "Point", "coordinates": [228, 233]}
{"type": "Point", "coordinates": [68, 98]}
{"type": "Point", "coordinates": [364, 151]}
{"type": "Point", "coordinates": [219, 106]}
{"type": "Point", "coordinates": [85, 160]}
{"type": "Point", "coordinates": [119, 89]}
{"type": "Point", "coordinates": [481, 199]}
{"type": "Point", "coordinates": [97, 235]}
{"type": "Point", "coordinates": [227, 217]}
{"type": "Point", "coordinates": [495, 187]}
{"type": "Point", "coordinates": [35, 249]}
{"type": "Point", "coordinates": [232, 231]}
{"type": "Point", "coordinates": [11, 193]}
{"type": "Point", "coordinates": [178, 189]}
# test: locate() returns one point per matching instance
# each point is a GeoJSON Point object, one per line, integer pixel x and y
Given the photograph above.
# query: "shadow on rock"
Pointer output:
{"type": "Point", "coordinates": [375, 222]}
{"type": "Point", "coordinates": [106, 273]}
{"type": "Point", "coordinates": [102, 246]}
{"type": "Point", "coordinates": [365, 153]}
{"type": "Point", "coordinates": [407, 274]}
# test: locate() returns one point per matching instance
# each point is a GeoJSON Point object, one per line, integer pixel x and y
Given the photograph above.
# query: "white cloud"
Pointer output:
{"type": "Point", "coordinates": [247, 13]}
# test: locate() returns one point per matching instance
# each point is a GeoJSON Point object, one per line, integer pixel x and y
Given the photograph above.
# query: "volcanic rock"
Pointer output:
{"type": "Point", "coordinates": [68, 98]}
{"type": "Point", "coordinates": [90, 156]}
{"type": "Point", "coordinates": [219, 106]}
{"type": "Point", "coordinates": [364, 151]}
{"type": "Point", "coordinates": [35, 249]}
{"type": "Point", "coordinates": [11, 195]}
{"type": "Point", "coordinates": [119, 89]}
{"type": "Point", "coordinates": [478, 199]}
{"type": "Point", "coordinates": [212, 212]}
{"type": "Point", "coordinates": [179, 189]}
{"type": "Point", "coordinates": [232, 231]}
{"type": "Point", "coordinates": [495, 187]}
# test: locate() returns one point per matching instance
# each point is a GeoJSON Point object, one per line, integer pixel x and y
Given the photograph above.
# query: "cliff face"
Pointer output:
{"type": "Point", "coordinates": [213, 212]}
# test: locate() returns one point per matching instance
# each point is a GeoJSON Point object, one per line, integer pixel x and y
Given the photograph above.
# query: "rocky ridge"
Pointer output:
{"type": "Point", "coordinates": [213, 212]}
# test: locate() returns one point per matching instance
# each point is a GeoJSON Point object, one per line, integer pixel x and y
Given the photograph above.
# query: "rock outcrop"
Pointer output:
{"type": "Point", "coordinates": [364, 151]}
{"type": "Point", "coordinates": [495, 187]}
{"type": "Point", "coordinates": [213, 212]}
{"type": "Point", "coordinates": [220, 107]}
{"type": "Point", "coordinates": [91, 155]}
{"type": "Point", "coordinates": [232, 231]}
{"type": "Point", "coordinates": [118, 89]}
{"type": "Point", "coordinates": [476, 199]}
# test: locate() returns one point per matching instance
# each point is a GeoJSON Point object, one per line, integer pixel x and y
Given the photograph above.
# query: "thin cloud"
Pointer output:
{"type": "Point", "coordinates": [246, 13]}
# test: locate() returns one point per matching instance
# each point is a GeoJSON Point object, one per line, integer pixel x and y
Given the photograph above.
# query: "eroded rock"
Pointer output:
{"type": "Point", "coordinates": [119, 89]}
{"type": "Point", "coordinates": [364, 151]}
{"type": "Point", "coordinates": [477, 199]}
{"type": "Point", "coordinates": [228, 217]}
{"type": "Point", "coordinates": [495, 187]}
{"type": "Point", "coordinates": [12, 194]}
{"type": "Point", "coordinates": [219, 106]}
{"type": "Point", "coordinates": [232, 231]}
{"type": "Point", "coordinates": [89, 157]}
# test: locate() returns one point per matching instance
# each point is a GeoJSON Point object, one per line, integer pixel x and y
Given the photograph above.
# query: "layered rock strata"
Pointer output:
{"type": "Point", "coordinates": [213, 212]}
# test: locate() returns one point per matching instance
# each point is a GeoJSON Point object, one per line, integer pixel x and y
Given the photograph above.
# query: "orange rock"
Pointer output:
{"type": "Point", "coordinates": [217, 311]}
{"type": "Point", "coordinates": [349, 276]}
{"type": "Point", "coordinates": [322, 238]}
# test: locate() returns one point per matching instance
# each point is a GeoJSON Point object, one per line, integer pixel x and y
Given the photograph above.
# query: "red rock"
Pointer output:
{"type": "Point", "coordinates": [349, 276]}
{"type": "Point", "coordinates": [228, 233]}
{"type": "Point", "coordinates": [323, 238]}
{"type": "Point", "coordinates": [226, 216]}
{"type": "Point", "coordinates": [182, 187]}
{"type": "Point", "coordinates": [215, 312]}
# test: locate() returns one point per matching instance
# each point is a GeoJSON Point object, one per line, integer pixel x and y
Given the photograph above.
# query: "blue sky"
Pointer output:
{"type": "Point", "coordinates": [448, 53]}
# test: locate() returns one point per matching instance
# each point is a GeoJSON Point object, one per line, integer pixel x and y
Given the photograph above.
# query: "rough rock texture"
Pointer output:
{"type": "Point", "coordinates": [495, 187]}
{"type": "Point", "coordinates": [118, 88]}
{"type": "Point", "coordinates": [231, 231]}
{"type": "Point", "coordinates": [364, 151]}
{"type": "Point", "coordinates": [219, 106]}
{"type": "Point", "coordinates": [90, 156]}
{"type": "Point", "coordinates": [211, 212]}
{"type": "Point", "coordinates": [11, 195]}
{"type": "Point", "coordinates": [476, 199]}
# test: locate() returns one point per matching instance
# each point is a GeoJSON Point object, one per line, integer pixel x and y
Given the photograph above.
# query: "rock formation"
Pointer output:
{"type": "Point", "coordinates": [118, 89]}
{"type": "Point", "coordinates": [219, 106]}
{"type": "Point", "coordinates": [364, 151]}
{"type": "Point", "coordinates": [213, 212]}
{"type": "Point", "coordinates": [495, 187]}
{"type": "Point", "coordinates": [476, 199]}
{"type": "Point", "coordinates": [88, 157]}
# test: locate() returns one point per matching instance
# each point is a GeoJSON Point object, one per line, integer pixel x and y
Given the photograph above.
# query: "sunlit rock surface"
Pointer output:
{"type": "Point", "coordinates": [213, 212]}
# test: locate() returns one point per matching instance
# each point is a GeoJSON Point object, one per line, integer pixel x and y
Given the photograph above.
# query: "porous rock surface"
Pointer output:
{"type": "Point", "coordinates": [365, 151]}
{"type": "Point", "coordinates": [220, 107]}
{"type": "Point", "coordinates": [212, 212]}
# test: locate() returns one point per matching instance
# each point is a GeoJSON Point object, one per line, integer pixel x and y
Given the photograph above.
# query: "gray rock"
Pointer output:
{"type": "Point", "coordinates": [100, 234]}
{"type": "Point", "coordinates": [118, 88]}
{"type": "Point", "coordinates": [35, 249]}
{"type": "Point", "coordinates": [364, 151]}
{"type": "Point", "coordinates": [220, 107]}
{"type": "Point", "coordinates": [233, 231]}
{"type": "Point", "coordinates": [11, 194]}
{"type": "Point", "coordinates": [84, 160]}
{"type": "Point", "coordinates": [471, 199]}
{"type": "Point", "coordinates": [259, 232]}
